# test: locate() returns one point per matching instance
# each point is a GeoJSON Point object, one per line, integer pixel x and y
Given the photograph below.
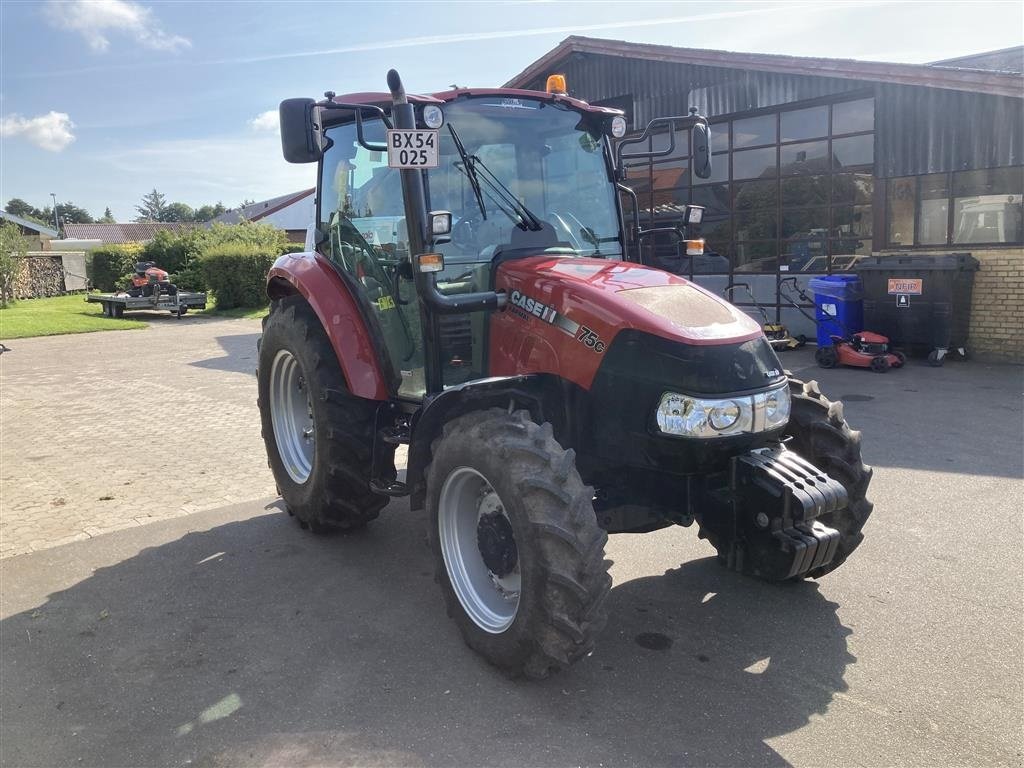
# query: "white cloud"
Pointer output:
{"type": "Point", "coordinates": [268, 122]}
{"type": "Point", "coordinates": [96, 19]}
{"type": "Point", "coordinates": [51, 131]}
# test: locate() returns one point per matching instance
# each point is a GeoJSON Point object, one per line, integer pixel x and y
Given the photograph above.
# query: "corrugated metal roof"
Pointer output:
{"type": "Point", "coordinates": [978, 81]}
{"type": "Point", "coordinates": [1003, 60]}
{"type": "Point", "coordinates": [130, 232]}
{"type": "Point", "coordinates": [29, 224]}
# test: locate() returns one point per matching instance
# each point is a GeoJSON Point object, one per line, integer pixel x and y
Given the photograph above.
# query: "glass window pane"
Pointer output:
{"type": "Point", "coordinates": [716, 228]}
{"type": "Point", "coordinates": [714, 198]}
{"type": "Point", "coordinates": [753, 163]}
{"type": "Point", "coordinates": [806, 254]}
{"type": "Point", "coordinates": [988, 219]}
{"type": "Point", "coordinates": [751, 195]}
{"type": "Point", "coordinates": [853, 116]}
{"type": "Point", "coordinates": [805, 223]}
{"type": "Point", "coordinates": [757, 225]}
{"type": "Point", "coordinates": [933, 216]}
{"type": "Point", "coordinates": [719, 137]}
{"type": "Point", "coordinates": [804, 124]}
{"type": "Point", "coordinates": [853, 150]}
{"type": "Point", "coordinates": [853, 188]}
{"type": "Point", "coordinates": [755, 257]}
{"type": "Point", "coordinates": [805, 190]}
{"type": "Point", "coordinates": [719, 170]}
{"type": "Point", "coordinates": [902, 197]}
{"type": "Point", "coordinates": [661, 141]}
{"type": "Point", "coordinates": [810, 157]}
{"type": "Point", "coordinates": [671, 174]}
{"type": "Point", "coordinates": [753, 131]}
{"type": "Point", "coordinates": [851, 220]}
{"type": "Point", "coordinates": [987, 206]}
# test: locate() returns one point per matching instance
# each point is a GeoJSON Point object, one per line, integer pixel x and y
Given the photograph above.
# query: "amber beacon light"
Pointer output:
{"type": "Point", "coordinates": [556, 84]}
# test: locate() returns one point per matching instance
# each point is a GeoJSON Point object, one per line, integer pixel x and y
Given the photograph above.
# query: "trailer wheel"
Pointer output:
{"type": "Point", "coordinates": [518, 552]}
{"type": "Point", "coordinates": [821, 435]}
{"type": "Point", "coordinates": [319, 438]}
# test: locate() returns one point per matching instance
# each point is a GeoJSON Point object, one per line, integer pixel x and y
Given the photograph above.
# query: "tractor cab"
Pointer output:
{"type": "Point", "coordinates": [517, 173]}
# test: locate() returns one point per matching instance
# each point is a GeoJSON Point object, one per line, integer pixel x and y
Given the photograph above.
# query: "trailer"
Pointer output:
{"type": "Point", "coordinates": [178, 303]}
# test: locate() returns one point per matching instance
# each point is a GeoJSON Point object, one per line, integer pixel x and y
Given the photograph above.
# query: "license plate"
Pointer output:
{"type": "Point", "coordinates": [412, 148]}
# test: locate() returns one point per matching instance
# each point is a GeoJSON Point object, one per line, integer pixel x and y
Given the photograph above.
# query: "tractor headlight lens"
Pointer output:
{"type": "Point", "coordinates": [687, 416]}
{"type": "Point", "coordinates": [777, 405]}
{"type": "Point", "coordinates": [433, 117]}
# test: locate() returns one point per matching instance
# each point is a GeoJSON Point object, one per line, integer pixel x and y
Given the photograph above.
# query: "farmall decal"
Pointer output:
{"type": "Point", "coordinates": [525, 307]}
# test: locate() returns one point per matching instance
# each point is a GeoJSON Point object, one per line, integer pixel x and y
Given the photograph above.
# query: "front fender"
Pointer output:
{"type": "Point", "coordinates": [497, 392]}
{"type": "Point", "coordinates": [311, 276]}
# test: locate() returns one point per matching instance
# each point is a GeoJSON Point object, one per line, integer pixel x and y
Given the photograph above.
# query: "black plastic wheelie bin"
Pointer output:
{"type": "Point", "coordinates": [921, 302]}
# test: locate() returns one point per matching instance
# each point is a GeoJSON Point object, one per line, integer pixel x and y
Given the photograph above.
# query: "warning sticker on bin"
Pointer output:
{"type": "Point", "coordinates": [906, 285]}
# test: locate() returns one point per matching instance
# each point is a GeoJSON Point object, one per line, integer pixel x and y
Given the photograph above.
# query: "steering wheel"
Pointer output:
{"type": "Point", "coordinates": [464, 232]}
{"type": "Point", "coordinates": [562, 221]}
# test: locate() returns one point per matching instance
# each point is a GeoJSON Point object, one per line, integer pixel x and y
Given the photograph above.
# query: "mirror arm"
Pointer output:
{"type": "Point", "coordinates": [358, 109]}
{"type": "Point", "coordinates": [636, 204]}
{"type": "Point", "coordinates": [685, 122]}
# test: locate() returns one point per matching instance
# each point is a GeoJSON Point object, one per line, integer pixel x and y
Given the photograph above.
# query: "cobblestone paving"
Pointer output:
{"type": "Point", "coordinates": [104, 431]}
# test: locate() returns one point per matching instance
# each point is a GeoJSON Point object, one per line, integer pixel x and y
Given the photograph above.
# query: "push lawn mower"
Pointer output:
{"type": "Point", "coordinates": [862, 350]}
{"type": "Point", "coordinates": [777, 334]}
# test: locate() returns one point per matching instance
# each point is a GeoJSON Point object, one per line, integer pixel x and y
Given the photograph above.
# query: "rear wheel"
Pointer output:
{"type": "Point", "coordinates": [821, 435]}
{"type": "Point", "coordinates": [518, 552]}
{"type": "Point", "coordinates": [826, 357]}
{"type": "Point", "coordinates": [319, 438]}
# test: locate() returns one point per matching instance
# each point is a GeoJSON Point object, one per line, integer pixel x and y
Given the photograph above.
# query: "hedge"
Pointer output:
{"type": "Point", "coordinates": [108, 265]}
{"type": "Point", "coordinates": [173, 252]}
{"type": "Point", "coordinates": [236, 273]}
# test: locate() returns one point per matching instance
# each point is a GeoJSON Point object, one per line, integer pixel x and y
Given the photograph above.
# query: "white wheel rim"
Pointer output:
{"type": "Point", "coordinates": [291, 415]}
{"type": "Point", "coordinates": [489, 600]}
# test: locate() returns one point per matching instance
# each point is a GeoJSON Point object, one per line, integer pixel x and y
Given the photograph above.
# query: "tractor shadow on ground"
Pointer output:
{"type": "Point", "coordinates": [240, 355]}
{"type": "Point", "coordinates": [256, 643]}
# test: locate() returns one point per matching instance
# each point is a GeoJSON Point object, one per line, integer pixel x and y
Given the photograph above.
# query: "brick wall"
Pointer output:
{"type": "Point", "coordinates": [997, 307]}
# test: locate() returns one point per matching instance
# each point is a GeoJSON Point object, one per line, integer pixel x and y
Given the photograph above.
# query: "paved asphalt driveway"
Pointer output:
{"type": "Point", "coordinates": [229, 636]}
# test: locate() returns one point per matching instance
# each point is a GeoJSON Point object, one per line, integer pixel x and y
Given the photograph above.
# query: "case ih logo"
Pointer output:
{"type": "Point", "coordinates": [911, 285]}
{"type": "Point", "coordinates": [533, 307]}
{"type": "Point", "coordinates": [525, 307]}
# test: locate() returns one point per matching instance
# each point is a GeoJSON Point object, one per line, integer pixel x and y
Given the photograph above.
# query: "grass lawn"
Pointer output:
{"type": "Point", "coordinates": [60, 314]}
{"type": "Point", "coordinates": [73, 314]}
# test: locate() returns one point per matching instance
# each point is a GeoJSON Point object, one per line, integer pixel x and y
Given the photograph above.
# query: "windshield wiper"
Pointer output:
{"type": "Point", "coordinates": [468, 167]}
{"type": "Point", "coordinates": [505, 200]}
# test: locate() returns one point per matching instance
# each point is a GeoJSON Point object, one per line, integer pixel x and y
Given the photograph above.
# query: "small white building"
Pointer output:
{"type": "Point", "coordinates": [293, 213]}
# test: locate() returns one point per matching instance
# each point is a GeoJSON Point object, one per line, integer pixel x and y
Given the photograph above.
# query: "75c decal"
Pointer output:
{"type": "Point", "coordinates": [587, 337]}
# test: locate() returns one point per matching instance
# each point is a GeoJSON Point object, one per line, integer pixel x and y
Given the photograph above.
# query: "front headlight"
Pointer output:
{"type": "Point", "coordinates": [687, 416]}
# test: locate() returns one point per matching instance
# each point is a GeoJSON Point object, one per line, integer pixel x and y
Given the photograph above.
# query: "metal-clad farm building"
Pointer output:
{"type": "Point", "coordinates": [818, 162]}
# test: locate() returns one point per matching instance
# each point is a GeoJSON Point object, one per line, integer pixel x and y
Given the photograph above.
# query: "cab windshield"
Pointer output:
{"type": "Point", "coordinates": [542, 177]}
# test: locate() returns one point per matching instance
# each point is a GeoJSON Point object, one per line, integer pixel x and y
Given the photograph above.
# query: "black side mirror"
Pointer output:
{"type": "Point", "coordinates": [701, 151]}
{"type": "Point", "coordinates": [302, 140]}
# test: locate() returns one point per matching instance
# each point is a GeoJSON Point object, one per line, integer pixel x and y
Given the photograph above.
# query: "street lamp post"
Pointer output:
{"type": "Point", "coordinates": [56, 221]}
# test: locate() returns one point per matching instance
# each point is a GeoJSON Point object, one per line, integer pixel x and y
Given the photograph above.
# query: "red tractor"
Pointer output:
{"type": "Point", "coordinates": [470, 296]}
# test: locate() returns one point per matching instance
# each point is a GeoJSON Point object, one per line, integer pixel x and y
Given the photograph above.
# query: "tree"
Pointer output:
{"type": "Point", "coordinates": [108, 217]}
{"type": "Point", "coordinates": [69, 213]}
{"type": "Point", "coordinates": [209, 212]}
{"type": "Point", "coordinates": [153, 206]}
{"type": "Point", "coordinates": [12, 248]}
{"type": "Point", "coordinates": [178, 212]}
{"type": "Point", "coordinates": [18, 207]}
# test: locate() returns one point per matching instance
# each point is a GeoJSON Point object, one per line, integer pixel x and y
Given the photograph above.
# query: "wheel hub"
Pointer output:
{"type": "Point", "coordinates": [497, 543]}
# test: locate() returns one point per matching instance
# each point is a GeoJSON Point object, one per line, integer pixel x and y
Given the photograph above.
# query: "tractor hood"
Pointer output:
{"type": "Point", "coordinates": [626, 295]}
{"type": "Point", "coordinates": [563, 313]}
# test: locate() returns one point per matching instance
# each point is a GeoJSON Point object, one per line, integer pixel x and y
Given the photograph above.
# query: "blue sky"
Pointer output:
{"type": "Point", "coordinates": [102, 100]}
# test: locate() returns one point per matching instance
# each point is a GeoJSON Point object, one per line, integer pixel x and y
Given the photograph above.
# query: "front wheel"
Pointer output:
{"type": "Point", "coordinates": [880, 364]}
{"type": "Point", "coordinates": [821, 435]}
{"type": "Point", "coordinates": [826, 357]}
{"type": "Point", "coordinates": [518, 552]}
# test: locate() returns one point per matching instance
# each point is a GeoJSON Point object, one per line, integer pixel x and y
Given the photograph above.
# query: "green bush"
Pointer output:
{"type": "Point", "coordinates": [190, 278]}
{"type": "Point", "coordinates": [236, 273]}
{"type": "Point", "coordinates": [107, 265]}
{"type": "Point", "coordinates": [173, 253]}
{"type": "Point", "coordinates": [294, 248]}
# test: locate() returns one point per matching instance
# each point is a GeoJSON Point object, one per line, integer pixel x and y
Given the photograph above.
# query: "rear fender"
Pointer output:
{"type": "Point", "coordinates": [332, 299]}
{"type": "Point", "coordinates": [534, 393]}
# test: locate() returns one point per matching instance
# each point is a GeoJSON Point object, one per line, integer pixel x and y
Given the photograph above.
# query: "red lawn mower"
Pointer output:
{"type": "Point", "coordinates": [864, 349]}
